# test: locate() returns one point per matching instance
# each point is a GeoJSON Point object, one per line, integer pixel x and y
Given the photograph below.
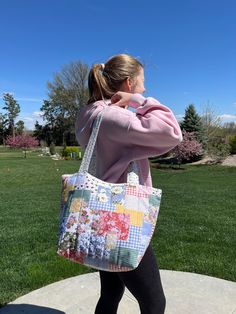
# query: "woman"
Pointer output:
{"type": "Point", "coordinates": [124, 136]}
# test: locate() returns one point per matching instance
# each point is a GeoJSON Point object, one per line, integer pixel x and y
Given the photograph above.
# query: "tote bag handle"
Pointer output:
{"type": "Point", "coordinates": [133, 171]}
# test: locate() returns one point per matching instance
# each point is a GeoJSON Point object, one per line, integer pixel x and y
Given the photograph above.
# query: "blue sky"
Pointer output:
{"type": "Point", "coordinates": [188, 47]}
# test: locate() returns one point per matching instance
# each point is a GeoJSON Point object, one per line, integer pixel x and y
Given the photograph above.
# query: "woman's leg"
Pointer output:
{"type": "Point", "coordinates": [112, 290]}
{"type": "Point", "coordinates": [144, 283]}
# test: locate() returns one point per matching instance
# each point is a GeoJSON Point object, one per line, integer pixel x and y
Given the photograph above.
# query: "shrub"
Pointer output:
{"type": "Point", "coordinates": [232, 143]}
{"type": "Point", "coordinates": [189, 149]}
{"type": "Point", "coordinates": [218, 148]}
{"type": "Point", "coordinates": [52, 149]}
{"type": "Point", "coordinates": [69, 151]}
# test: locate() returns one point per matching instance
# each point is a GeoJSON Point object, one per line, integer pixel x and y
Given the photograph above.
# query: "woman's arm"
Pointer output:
{"type": "Point", "coordinates": [152, 131]}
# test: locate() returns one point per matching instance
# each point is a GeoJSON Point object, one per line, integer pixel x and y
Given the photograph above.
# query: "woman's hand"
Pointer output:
{"type": "Point", "coordinates": [121, 99]}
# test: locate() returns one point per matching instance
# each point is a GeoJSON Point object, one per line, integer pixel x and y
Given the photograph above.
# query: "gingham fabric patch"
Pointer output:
{"type": "Point", "coordinates": [133, 241]}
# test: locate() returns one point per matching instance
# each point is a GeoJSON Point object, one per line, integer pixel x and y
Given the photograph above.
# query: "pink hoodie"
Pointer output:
{"type": "Point", "coordinates": [125, 136]}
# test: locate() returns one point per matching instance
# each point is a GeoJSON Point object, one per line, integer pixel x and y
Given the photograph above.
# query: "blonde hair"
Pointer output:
{"type": "Point", "coordinates": [104, 80]}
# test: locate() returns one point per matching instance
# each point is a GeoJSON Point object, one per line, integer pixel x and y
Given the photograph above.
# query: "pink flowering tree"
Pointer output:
{"type": "Point", "coordinates": [189, 149]}
{"type": "Point", "coordinates": [22, 142]}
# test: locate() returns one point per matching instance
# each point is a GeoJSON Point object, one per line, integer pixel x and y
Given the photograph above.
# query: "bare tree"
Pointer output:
{"type": "Point", "coordinates": [215, 142]}
{"type": "Point", "coordinates": [211, 121]}
{"type": "Point", "coordinates": [67, 93]}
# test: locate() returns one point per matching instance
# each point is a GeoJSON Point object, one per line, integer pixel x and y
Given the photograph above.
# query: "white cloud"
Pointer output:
{"type": "Point", "coordinates": [30, 120]}
{"type": "Point", "coordinates": [224, 117]}
{"type": "Point", "coordinates": [29, 99]}
{"type": "Point", "coordinates": [179, 117]}
{"type": "Point", "coordinates": [38, 113]}
{"type": "Point", "coordinates": [27, 119]}
{"type": "Point", "coordinates": [228, 117]}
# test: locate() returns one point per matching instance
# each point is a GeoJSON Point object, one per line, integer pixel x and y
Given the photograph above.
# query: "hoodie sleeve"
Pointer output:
{"type": "Point", "coordinates": [152, 131]}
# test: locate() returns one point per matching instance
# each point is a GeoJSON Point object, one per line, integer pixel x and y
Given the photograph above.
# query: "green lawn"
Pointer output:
{"type": "Point", "coordinates": [195, 233]}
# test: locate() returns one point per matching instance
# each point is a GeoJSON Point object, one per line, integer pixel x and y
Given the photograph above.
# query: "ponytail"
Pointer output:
{"type": "Point", "coordinates": [104, 80]}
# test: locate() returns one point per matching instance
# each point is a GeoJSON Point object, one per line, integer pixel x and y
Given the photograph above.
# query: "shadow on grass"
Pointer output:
{"type": "Point", "coordinates": [166, 167]}
{"type": "Point", "coordinates": [28, 309]}
{"type": "Point", "coordinates": [167, 164]}
{"type": "Point", "coordinates": [11, 157]}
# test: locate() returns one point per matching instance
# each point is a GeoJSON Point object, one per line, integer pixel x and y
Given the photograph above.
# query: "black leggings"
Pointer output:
{"type": "Point", "coordinates": [144, 283]}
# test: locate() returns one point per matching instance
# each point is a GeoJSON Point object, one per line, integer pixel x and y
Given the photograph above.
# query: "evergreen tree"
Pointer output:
{"type": "Point", "coordinates": [13, 110]}
{"type": "Point", "coordinates": [38, 131]}
{"type": "Point", "coordinates": [49, 134]}
{"type": "Point", "coordinates": [192, 122]}
{"type": "Point", "coordinates": [43, 132]}
{"type": "Point", "coordinates": [3, 129]}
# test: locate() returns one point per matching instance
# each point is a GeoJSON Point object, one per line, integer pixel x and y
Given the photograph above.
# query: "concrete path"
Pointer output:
{"type": "Point", "coordinates": [186, 293]}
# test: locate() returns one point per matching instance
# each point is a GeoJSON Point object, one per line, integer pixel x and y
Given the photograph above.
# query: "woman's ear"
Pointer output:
{"type": "Point", "coordinates": [127, 85]}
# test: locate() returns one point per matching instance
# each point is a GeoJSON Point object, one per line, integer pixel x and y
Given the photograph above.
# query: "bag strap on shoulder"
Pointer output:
{"type": "Point", "coordinates": [133, 171]}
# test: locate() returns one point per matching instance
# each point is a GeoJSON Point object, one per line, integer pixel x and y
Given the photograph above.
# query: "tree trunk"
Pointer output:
{"type": "Point", "coordinates": [13, 131]}
{"type": "Point", "coordinates": [63, 138]}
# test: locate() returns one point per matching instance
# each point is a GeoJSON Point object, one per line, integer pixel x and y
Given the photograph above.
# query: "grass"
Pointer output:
{"type": "Point", "coordinates": [196, 229]}
{"type": "Point", "coordinates": [195, 232]}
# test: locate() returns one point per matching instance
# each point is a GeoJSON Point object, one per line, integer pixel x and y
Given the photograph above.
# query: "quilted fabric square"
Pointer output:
{"type": "Point", "coordinates": [124, 257]}
{"type": "Point", "coordinates": [114, 223]}
{"type": "Point", "coordinates": [147, 229]}
{"type": "Point", "coordinates": [134, 240]}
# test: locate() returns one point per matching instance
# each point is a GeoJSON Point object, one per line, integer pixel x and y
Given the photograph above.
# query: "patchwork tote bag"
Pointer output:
{"type": "Point", "coordinates": [106, 226]}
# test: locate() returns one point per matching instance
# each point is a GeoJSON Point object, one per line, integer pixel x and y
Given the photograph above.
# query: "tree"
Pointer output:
{"type": "Point", "coordinates": [20, 125]}
{"type": "Point", "coordinates": [43, 133]}
{"type": "Point", "coordinates": [3, 127]}
{"type": "Point", "coordinates": [232, 143]}
{"type": "Point", "coordinates": [211, 123]}
{"type": "Point", "coordinates": [48, 133]}
{"type": "Point", "coordinates": [192, 122]}
{"type": "Point", "coordinates": [217, 136]}
{"type": "Point", "coordinates": [189, 149]}
{"type": "Point", "coordinates": [67, 93]}
{"type": "Point", "coordinates": [22, 141]}
{"type": "Point", "coordinates": [218, 148]}
{"type": "Point", "coordinates": [13, 110]}
{"type": "Point", "coordinates": [38, 133]}
{"type": "Point", "coordinates": [228, 129]}
{"type": "Point", "coordinates": [57, 124]}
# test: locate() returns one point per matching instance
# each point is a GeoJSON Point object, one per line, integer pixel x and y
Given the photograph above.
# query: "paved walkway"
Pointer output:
{"type": "Point", "coordinates": [186, 293]}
